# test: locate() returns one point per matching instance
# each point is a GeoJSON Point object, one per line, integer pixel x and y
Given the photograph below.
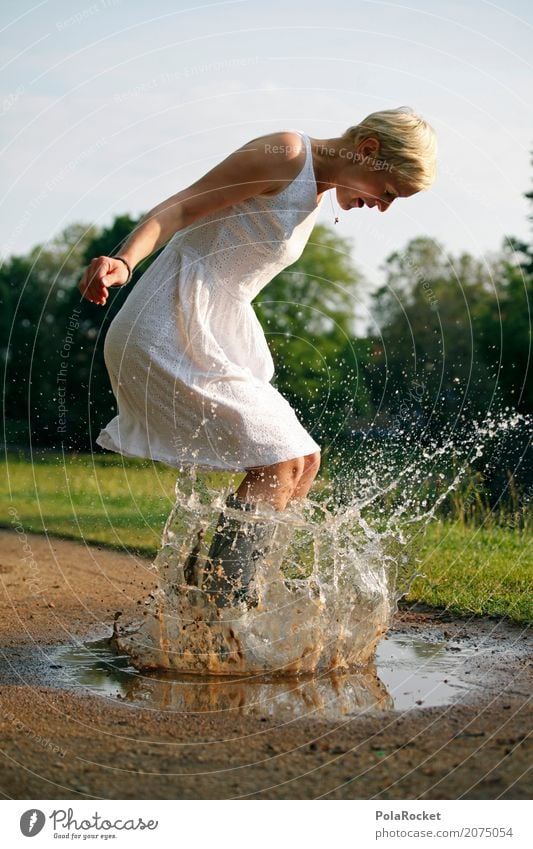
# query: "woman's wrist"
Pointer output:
{"type": "Point", "coordinates": [128, 266]}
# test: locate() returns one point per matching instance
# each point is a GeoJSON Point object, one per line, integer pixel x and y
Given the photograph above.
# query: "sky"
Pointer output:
{"type": "Point", "coordinates": [110, 106]}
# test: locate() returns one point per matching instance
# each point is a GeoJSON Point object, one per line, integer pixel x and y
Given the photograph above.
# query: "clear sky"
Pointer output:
{"type": "Point", "coordinates": [110, 106]}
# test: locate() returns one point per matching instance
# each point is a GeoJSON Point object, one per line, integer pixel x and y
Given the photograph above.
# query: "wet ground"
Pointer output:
{"type": "Point", "coordinates": [444, 712]}
{"type": "Point", "coordinates": [411, 670]}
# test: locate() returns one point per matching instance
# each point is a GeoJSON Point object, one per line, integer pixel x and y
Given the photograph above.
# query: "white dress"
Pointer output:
{"type": "Point", "coordinates": [187, 358]}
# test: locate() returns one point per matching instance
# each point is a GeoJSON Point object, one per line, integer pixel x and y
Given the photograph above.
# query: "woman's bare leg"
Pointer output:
{"type": "Point", "coordinates": [311, 467]}
{"type": "Point", "coordinates": [272, 484]}
{"type": "Point", "coordinates": [235, 547]}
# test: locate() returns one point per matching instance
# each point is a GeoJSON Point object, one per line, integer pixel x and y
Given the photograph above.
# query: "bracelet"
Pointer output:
{"type": "Point", "coordinates": [121, 258]}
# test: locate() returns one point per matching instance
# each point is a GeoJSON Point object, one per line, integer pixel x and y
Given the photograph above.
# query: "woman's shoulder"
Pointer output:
{"type": "Point", "coordinates": [283, 144]}
{"type": "Point", "coordinates": [285, 150]}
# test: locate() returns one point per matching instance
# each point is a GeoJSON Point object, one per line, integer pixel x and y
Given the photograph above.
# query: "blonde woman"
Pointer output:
{"type": "Point", "coordinates": [187, 359]}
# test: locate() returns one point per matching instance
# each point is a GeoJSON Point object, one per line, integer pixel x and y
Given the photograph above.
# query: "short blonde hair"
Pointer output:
{"type": "Point", "coordinates": [408, 144]}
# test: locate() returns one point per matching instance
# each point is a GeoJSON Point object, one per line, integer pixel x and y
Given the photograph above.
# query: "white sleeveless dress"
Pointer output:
{"type": "Point", "coordinates": [187, 358]}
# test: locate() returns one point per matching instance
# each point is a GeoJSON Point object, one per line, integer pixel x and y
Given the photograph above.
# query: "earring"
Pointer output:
{"type": "Point", "coordinates": [335, 217]}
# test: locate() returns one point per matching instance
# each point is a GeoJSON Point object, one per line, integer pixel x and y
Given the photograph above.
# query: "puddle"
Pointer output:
{"type": "Point", "coordinates": [410, 671]}
{"type": "Point", "coordinates": [421, 673]}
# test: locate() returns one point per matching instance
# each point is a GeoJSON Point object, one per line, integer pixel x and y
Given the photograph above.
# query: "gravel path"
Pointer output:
{"type": "Point", "coordinates": [58, 744]}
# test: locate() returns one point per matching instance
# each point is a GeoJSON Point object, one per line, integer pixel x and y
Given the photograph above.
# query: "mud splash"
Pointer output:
{"type": "Point", "coordinates": [326, 591]}
{"type": "Point", "coordinates": [324, 598]}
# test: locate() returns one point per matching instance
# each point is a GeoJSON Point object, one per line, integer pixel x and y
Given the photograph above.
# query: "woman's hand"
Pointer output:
{"type": "Point", "coordinates": [102, 273]}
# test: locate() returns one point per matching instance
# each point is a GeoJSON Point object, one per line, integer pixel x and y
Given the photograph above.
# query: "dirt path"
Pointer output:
{"type": "Point", "coordinates": [57, 744]}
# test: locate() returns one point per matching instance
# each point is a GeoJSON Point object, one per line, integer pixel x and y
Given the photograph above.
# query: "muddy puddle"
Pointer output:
{"type": "Point", "coordinates": [410, 671]}
{"type": "Point", "coordinates": [247, 592]}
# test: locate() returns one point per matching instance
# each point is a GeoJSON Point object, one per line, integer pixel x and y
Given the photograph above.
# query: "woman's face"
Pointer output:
{"type": "Point", "coordinates": [358, 185]}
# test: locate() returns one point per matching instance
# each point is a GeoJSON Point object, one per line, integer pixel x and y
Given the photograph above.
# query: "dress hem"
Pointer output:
{"type": "Point", "coordinates": [104, 440]}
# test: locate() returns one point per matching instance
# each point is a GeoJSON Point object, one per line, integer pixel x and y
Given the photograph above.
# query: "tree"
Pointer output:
{"type": "Point", "coordinates": [514, 318]}
{"type": "Point", "coordinates": [430, 335]}
{"type": "Point", "coordinates": [50, 334]}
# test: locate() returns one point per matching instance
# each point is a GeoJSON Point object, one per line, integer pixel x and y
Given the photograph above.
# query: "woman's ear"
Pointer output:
{"type": "Point", "coordinates": [369, 148]}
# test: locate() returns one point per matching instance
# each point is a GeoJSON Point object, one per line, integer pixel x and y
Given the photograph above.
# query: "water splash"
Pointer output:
{"type": "Point", "coordinates": [323, 597]}
{"type": "Point", "coordinates": [329, 588]}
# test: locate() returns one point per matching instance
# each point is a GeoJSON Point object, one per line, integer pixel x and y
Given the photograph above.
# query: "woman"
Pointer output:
{"type": "Point", "coordinates": [188, 361]}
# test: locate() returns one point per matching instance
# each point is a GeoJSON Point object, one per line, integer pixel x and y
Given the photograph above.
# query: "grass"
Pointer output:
{"type": "Point", "coordinates": [117, 502]}
{"type": "Point", "coordinates": [123, 503]}
{"type": "Point", "coordinates": [476, 570]}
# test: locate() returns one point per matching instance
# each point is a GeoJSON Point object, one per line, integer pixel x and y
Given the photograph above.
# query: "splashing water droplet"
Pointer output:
{"type": "Point", "coordinates": [326, 590]}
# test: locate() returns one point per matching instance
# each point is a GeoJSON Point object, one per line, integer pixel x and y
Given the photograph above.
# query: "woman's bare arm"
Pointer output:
{"type": "Point", "coordinates": [258, 167]}
{"type": "Point", "coordinates": [253, 169]}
